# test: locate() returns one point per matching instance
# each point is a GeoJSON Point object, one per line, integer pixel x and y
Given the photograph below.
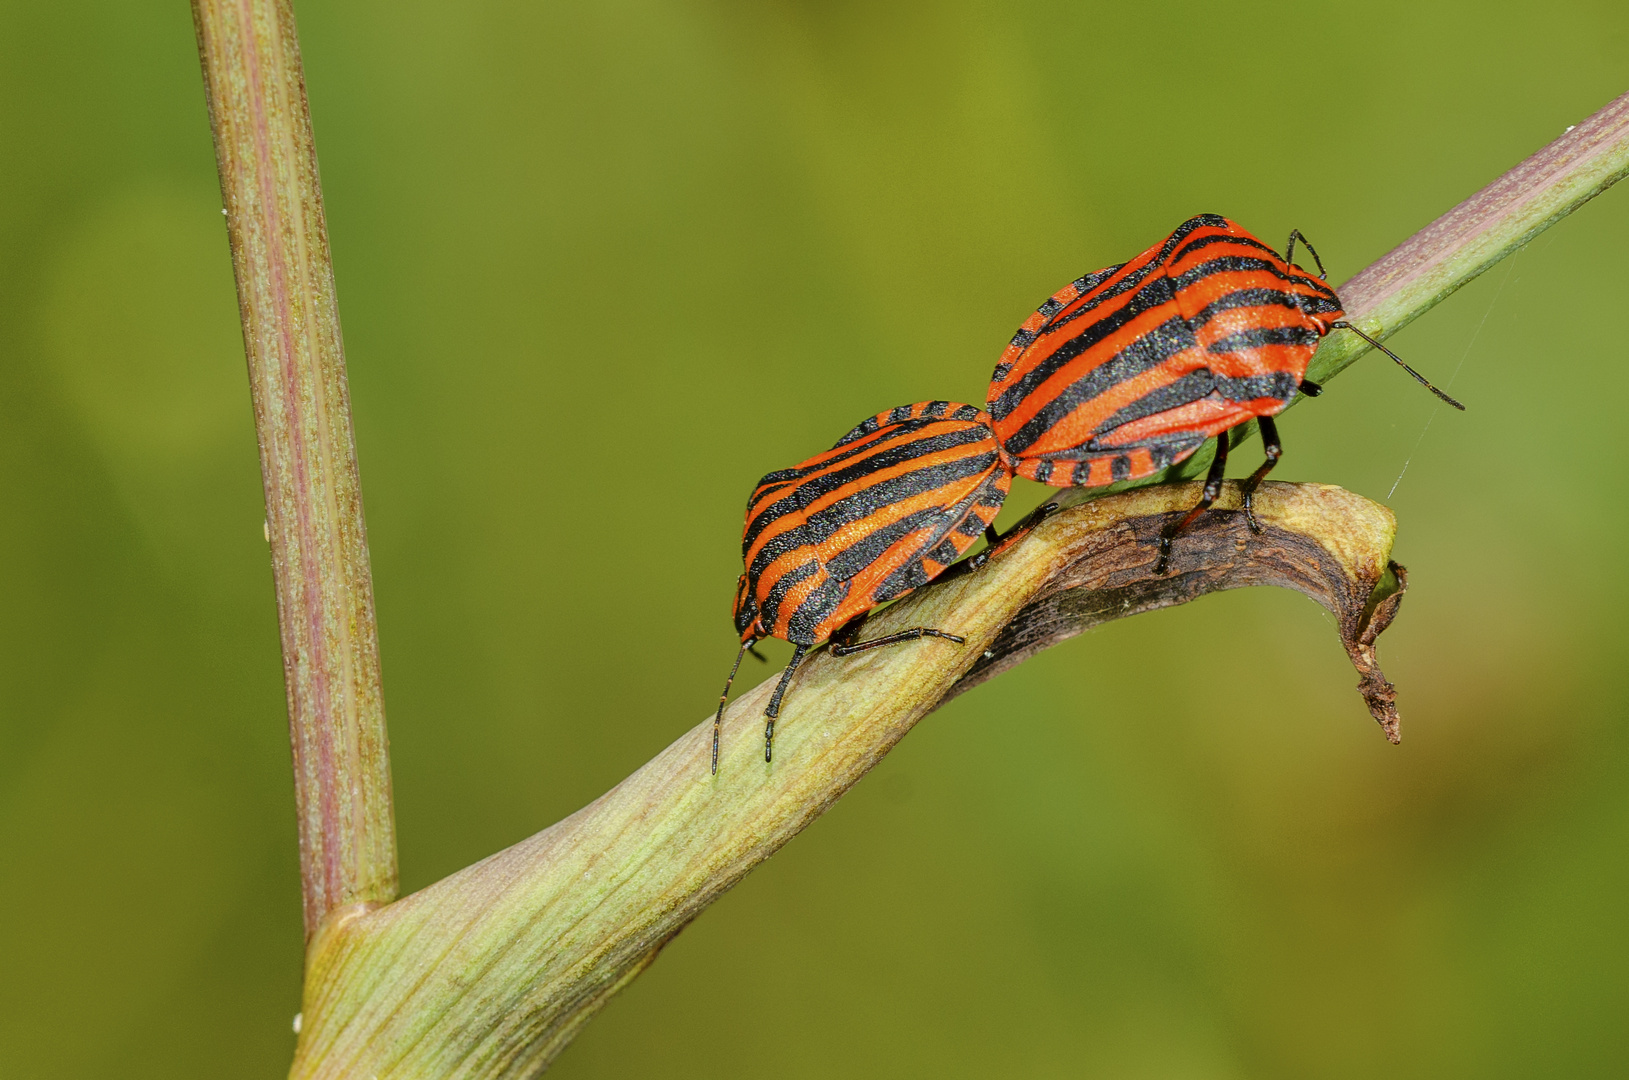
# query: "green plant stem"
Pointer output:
{"type": "Point", "coordinates": [1465, 242]}
{"type": "Point", "coordinates": [491, 971]}
{"type": "Point", "coordinates": [274, 217]}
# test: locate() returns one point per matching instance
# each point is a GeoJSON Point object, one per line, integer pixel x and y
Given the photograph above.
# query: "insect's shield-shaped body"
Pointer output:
{"type": "Point", "coordinates": [1130, 369]}
{"type": "Point", "coordinates": [1117, 376]}
{"type": "Point", "coordinates": [886, 510]}
{"type": "Point", "coordinates": [898, 500]}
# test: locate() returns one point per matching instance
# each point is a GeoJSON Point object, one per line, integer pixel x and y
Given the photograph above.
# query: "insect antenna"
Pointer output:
{"type": "Point", "coordinates": [1289, 252]}
{"type": "Point", "coordinates": [718, 718]}
{"type": "Point", "coordinates": [1423, 381]}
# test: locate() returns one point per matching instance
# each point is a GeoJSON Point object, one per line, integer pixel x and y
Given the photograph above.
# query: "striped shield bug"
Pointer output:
{"type": "Point", "coordinates": [888, 509]}
{"type": "Point", "coordinates": [1132, 368]}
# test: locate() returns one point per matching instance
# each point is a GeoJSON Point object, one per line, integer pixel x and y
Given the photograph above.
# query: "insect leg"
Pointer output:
{"type": "Point", "coordinates": [995, 543]}
{"type": "Point", "coordinates": [964, 566]}
{"type": "Point", "coordinates": [1289, 252]}
{"type": "Point", "coordinates": [1019, 531]}
{"type": "Point", "coordinates": [843, 643]}
{"type": "Point", "coordinates": [844, 635]}
{"type": "Point", "coordinates": [1269, 443]}
{"type": "Point", "coordinates": [718, 718]}
{"type": "Point", "coordinates": [1213, 488]}
{"type": "Point", "coordinates": [774, 709]}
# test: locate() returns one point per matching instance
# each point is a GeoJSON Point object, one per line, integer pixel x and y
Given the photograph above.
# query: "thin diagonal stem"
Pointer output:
{"type": "Point", "coordinates": [1465, 242]}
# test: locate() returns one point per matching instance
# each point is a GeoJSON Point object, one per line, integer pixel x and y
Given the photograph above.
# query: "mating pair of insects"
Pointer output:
{"type": "Point", "coordinates": [1120, 374]}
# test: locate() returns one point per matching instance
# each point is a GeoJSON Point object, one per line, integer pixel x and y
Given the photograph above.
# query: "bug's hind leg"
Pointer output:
{"type": "Point", "coordinates": [1213, 488]}
{"type": "Point", "coordinates": [843, 643]}
{"type": "Point", "coordinates": [994, 544]}
{"type": "Point", "coordinates": [999, 542]}
{"type": "Point", "coordinates": [1275, 450]}
{"type": "Point", "coordinates": [774, 709]}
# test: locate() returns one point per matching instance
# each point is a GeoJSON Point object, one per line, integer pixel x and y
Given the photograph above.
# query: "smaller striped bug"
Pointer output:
{"type": "Point", "coordinates": [1131, 369]}
{"type": "Point", "coordinates": [888, 509]}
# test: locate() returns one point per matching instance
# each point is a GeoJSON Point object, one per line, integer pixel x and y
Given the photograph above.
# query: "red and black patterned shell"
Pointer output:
{"type": "Point", "coordinates": [885, 511]}
{"type": "Point", "coordinates": [1130, 369]}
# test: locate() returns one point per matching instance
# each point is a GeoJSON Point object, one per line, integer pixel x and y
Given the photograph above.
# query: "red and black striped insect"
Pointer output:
{"type": "Point", "coordinates": [1130, 369]}
{"type": "Point", "coordinates": [888, 509]}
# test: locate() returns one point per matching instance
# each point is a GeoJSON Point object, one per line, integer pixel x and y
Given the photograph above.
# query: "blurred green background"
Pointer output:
{"type": "Point", "coordinates": [601, 266]}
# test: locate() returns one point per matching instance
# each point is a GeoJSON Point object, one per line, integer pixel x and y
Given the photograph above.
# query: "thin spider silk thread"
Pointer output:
{"type": "Point", "coordinates": [1509, 271]}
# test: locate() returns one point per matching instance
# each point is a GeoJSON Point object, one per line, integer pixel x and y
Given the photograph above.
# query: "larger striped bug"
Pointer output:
{"type": "Point", "coordinates": [1132, 368]}
{"type": "Point", "coordinates": [888, 509]}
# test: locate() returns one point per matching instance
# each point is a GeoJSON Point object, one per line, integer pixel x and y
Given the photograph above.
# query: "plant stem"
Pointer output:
{"type": "Point", "coordinates": [1460, 245]}
{"type": "Point", "coordinates": [490, 972]}
{"type": "Point", "coordinates": [273, 202]}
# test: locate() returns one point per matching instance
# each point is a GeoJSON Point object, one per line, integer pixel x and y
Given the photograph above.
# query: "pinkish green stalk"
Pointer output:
{"type": "Point", "coordinates": [1465, 242]}
{"type": "Point", "coordinates": [274, 219]}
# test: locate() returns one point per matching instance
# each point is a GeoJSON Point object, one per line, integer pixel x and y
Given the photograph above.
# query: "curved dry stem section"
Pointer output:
{"type": "Point", "coordinates": [491, 971]}
{"type": "Point", "coordinates": [1109, 581]}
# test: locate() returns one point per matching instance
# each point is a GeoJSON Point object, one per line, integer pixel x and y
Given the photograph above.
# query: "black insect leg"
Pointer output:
{"type": "Point", "coordinates": [993, 542]}
{"type": "Point", "coordinates": [718, 718]}
{"type": "Point", "coordinates": [1213, 488]}
{"type": "Point", "coordinates": [1012, 535]}
{"type": "Point", "coordinates": [1269, 443]}
{"type": "Point", "coordinates": [843, 643]}
{"type": "Point", "coordinates": [774, 709]}
{"type": "Point", "coordinates": [842, 639]}
{"type": "Point", "coordinates": [955, 569]}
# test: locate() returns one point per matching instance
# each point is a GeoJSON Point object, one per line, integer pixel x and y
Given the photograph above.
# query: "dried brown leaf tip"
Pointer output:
{"type": "Point", "coordinates": [1378, 613]}
{"type": "Point", "coordinates": [1319, 540]}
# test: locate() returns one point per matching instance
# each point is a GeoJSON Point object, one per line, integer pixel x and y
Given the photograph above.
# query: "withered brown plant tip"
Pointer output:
{"type": "Point", "coordinates": [1319, 540]}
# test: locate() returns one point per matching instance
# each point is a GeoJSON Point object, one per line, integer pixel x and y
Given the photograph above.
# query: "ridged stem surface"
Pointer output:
{"type": "Point", "coordinates": [285, 280]}
{"type": "Point", "coordinates": [1464, 243]}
